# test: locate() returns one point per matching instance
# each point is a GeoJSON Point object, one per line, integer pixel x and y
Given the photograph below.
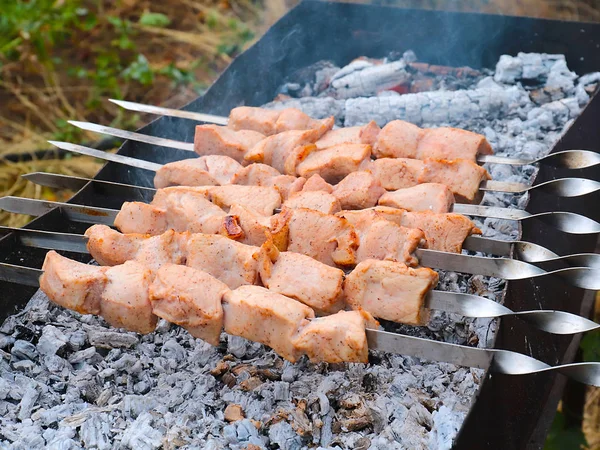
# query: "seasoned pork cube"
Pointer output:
{"type": "Point", "coordinates": [217, 140]}
{"type": "Point", "coordinates": [71, 284]}
{"type": "Point", "coordinates": [139, 217]}
{"type": "Point", "coordinates": [390, 290]}
{"type": "Point", "coordinates": [212, 170]}
{"type": "Point", "coordinates": [254, 229]}
{"type": "Point", "coordinates": [366, 134]}
{"type": "Point", "coordinates": [294, 119]}
{"type": "Point", "coordinates": [125, 302]}
{"type": "Point", "coordinates": [191, 299]}
{"type": "Point", "coordinates": [398, 139]}
{"type": "Point", "coordinates": [261, 199]}
{"type": "Point", "coordinates": [334, 163]}
{"type": "Point", "coordinates": [395, 173]}
{"type": "Point", "coordinates": [317, 200]}
{"type": "Point", "coordinates": [260, 315]}
{"type": "Point", "coordinates": [461, 176]}
{"type": "Point", "coordinates": [250, 118]}
{"type": "Point", "coordinates": [231, 262]}
{"type": "Point", "coordinates": [305, 279]}
{"type": "Point", "coordinates": [255, 175]}
{"type": "Point", "coordinates": [189, 209]}
{"type": "Point", "coordinates": [338, 338]}
{"type": "Point", "coordinates": [452, 143]}
{"type": "Point", "coordinates": [284, 151]}
{"type": "Point", "coordinates": [329, 239]}
{"type": "Point", "coordinates": [317, 183]}
{"type": "Point", "coordinates": [444, 232]}
{"type": "Point", "coordinates": [358, 190]}
{"type": "Point", "coordinates": [432, 197]}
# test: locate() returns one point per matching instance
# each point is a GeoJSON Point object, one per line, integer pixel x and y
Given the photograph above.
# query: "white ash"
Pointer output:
{"type": "Point", "coordinates": [70, 381]}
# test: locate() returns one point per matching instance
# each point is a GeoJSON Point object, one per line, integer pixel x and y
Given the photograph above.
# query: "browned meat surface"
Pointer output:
{"type": "Point", "coordinates": [261, 199]}
{"type": "Point", "coordinates": [263, 316]}
{"type": "Point", "coordinates": [191, 299]}
{"type": "Point", "coordinates": [212, 170]}
{"type": "Point", "coordinates": [71, 284]}
{"type": "Point", "coordinates": [139, 217]}
{"type": "Point", "coordinates": [444, 232]}
{"type": "Point", "coordinates": [358, 190]}
{"type": "Point", "coordinates": [317, 183]}
{"type": "Point", "coordinates": [294, 119]}
{"type": "Point", "coordinates": [452, 143]}
{"type": "Point", "coordinates": [305, 279]}
{"type": "Point", "coordinates": [125, 302]}
{"type": "Point", "coordinates": [398, 139]}
{"type": "Point", "coordinates": [263, 175]}
{"type": "Point", "coordinates": [251, 118]}
{"type": "Point", "coordinates": [337, 338]}
{"type": "Point", "coordinates": [334, 163]}
{"type": "Point", "coordinates": [461, 176]}
{"type": "Point", "coordinates": [432, 197]}
{"type": "Point", "coordinates": [217, 140]}
{"type": "Point", "coordinates": [366, 134]}
{"type": "Point", "coordinates": [390, 290]}
{"type": "Point", "coordinates": [317, 200]}
{"type": "Point", "coordinates": [246, 226]}
{"type": "Point", "coordinates": [395, 173]}
{"type": "Point", "coordinates": [326, 238]}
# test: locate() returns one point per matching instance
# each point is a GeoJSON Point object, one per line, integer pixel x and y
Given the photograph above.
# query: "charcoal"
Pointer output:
{"type": "Point", "coordinates": [141, 434]}
{"type": "Point", "coordinates": [111, 339]}
{"type": "Point", "coordinates": [95, 432]}
{"type": "Point", "coordinates": [51, 341]}
{"type": "Point", "coordinates": [23, 350]}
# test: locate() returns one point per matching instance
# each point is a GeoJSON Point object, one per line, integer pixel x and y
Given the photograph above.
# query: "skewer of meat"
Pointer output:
{"type": "Point", "coordinates": [133, 297]}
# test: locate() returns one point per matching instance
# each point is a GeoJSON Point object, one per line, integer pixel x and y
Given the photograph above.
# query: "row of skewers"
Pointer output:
{"type": "Point", "coordinates": [270, 217]}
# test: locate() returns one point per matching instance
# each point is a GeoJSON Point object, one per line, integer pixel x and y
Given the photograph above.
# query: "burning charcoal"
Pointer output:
{"type": "Point", "coordinates": [95, 432]}
{"type": "Point", "coordinates": [135, 405]}
{"type": "Point", "coordinates": [233, 413]}
{"type": "Point", "coordinates": [77, 339]}
{"type": "Point", "coordinates": [23, 350]}
{"type": "Point", "coordinates": [140, 434]}
{"type": "Point", "coordinates": [250, 384]}
{"type": "Point", "coordinates": [111, 339]}
{"type": "Point", "coordinates": [51, 341]}
{"type": "Point", "coordinates": [27, 403]}
{"type": "Point", "coordinates": [6, 341]}
{"type": "Point", "coordinates": [281, 391]}
{"type": "Point", "coordinates": [283, 435]}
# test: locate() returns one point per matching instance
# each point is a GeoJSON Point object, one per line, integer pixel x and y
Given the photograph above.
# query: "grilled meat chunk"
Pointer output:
{"type": "Point", "coordinates": [358, 190]}
{"type": "Point", "coordinates": [71, 284]}
{"type": "Point", "coordinates": [337, 338]}
{"type": "Point", "coordinates": [452, 143]}
{"type": "Point", "coordinates": [211, 170]}
{"type": "Point", "coordinates": [294, 119]}
{"type": "Point", "coordinates": [191, 299]}
{"type": "Point", "coordinates": [317, 200]}
{"type": "Point", "coordinates": [434, 197]}
{"type": "Point", "coordinates": [270, 122]}
{"type": "Point", "coordinates": [390, 290]}
{"type": "Point", "coordinates": [398, 139]}
{"type": "Point", "coordinates": [366, 134]}
{"type": "Point", "coordinates": [263, 316]}
{"type": "Point", "coordinates": [247, 227]}
{"type": "Point", "coordinates": [334, 163]}
{"type": "Point", "coordinates": [305, 279]}
{"type": "Point", "coordinates": [139, 217]}
{"type": "Point", "coordinates": [461, 176]}
{"type": "Point", "coordinates": [218, 140]}
{"type": "Point", "coordinates": [263, 175]}
{"type": "Point", "coordinates": [264, 200]}
{"type": "Point", "coordinates": [395, 173]}
{"type": "Point", "coordinates": [326, 238]}
{"type": "Point", "coordinates": [317, 183]}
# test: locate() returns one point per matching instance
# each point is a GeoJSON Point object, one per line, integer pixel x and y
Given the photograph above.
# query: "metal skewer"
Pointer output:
{"type": "Point", "coordinates": [469, 305]}
{"type": "Point", "coordinates": [564, 221]}
{"type": "Point", "coordinates": [508, 269]}
{"type": "Point", "coordinates": [499, 361]}
{"type": "Point", "coordinates": [568, 159]}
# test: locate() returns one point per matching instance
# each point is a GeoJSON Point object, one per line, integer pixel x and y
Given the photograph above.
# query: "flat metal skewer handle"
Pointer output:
{"type": "Point", "coordinates": [568, 159]}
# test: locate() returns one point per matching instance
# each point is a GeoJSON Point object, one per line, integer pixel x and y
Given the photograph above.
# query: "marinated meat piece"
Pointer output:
{"type": "Point", "coordinates": [263, 175]}
{"type": "Point", "coordinates": [217, 140]}
{"type": "Point", "coordinates": [390, 290]}
{"type": "Point", "coordinates": [337, 338]}
{"type": "Point", "coordinates": [187, 209]}
{"type": "Point", "coordinates": [305, 279]}
{"type": "Point", "coordinates": [324, 237]}
{"type": "Point", "coordinates": [444, 232]}
{"type": "Point", "coordinates": [260, 315]}
{"type": "Point", "coordinates": [287, 185]}
{"type": "Point", "coordinates": [294, 119]}
{"type": "Point", "coordinates": [358, 190]}
{"type": "Point", "coordinates": [212, 170]}
{"type": "Point", "coordinates": [251, 118]}
{"type": "Point", "coordinates": [247, 227]}
{"type": "Point", "coordinates": [111, 248]}
{"type": "Point", "coordinates": [395, 173]}
{"type": "Point", "coordinates": [434, 197]}
{"type": "Point", "coordinates": [71, 284]}
{"type": "Point", "coordinates": [317, 200]}
{"type": "Point", "coordinates": [317, 183]}
{"type": "Point", "coordinates": [366, 134]}
{"type": "Point", "coordinates": [231, 262]}
{"type": "Point", "coordinates": [191, 299]}
{"type": "Point", "coordinates": [452, 143]}
{"type": "Point", "coordinates": [461, 176]}
{"type": "Point", "coordinates": [124, 301]}
{"type": "Point", "coordinates": [284, 151]}
{"type": "Point", "coordinates": [398, 139]}
{"type": "Point", "coordinates": [264, 200]}
{"type": "Point", "coordinates": [139, 217]}
{"type": "Point", "coordinates": [334, 163]}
